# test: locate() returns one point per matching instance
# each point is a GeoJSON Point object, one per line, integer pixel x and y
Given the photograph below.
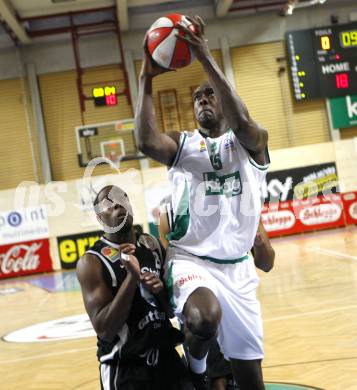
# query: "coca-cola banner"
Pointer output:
{"type": "Point", "coordinates": [25, 258]}
{"type": "Point", "coordinates": [300, 183]}
{"type": "Point", "coordinates": [23, 225]}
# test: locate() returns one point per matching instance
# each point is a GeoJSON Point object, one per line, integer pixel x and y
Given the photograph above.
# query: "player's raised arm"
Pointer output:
{"type": "Point", "coordinates": [235, 113]}
{"type": "Point", "coordinates": [159, 146]}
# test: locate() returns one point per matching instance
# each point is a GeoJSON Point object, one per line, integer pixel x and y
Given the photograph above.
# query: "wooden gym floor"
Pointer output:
{"type": "Point", "coordinates": [309, 303]}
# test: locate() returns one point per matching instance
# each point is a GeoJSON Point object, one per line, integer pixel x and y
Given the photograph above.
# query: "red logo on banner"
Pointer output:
{"type": "Point", "coordinates": [320, 214]}
{"type": "Point", "coordinates": [353, 210]}
{"type": "Point", "coordinates": [25, 258]}
{"type": "Point", "coordinates": [278, 220]}
{"type": "Point", "coordinates": [350, 206]}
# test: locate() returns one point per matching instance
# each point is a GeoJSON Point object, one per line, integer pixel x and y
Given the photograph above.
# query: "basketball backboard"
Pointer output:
{"type": "Point", "coordinates": [114, 140]}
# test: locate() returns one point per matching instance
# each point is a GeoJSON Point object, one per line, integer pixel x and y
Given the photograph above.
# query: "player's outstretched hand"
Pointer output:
{"type": "Point", "coordinates": [149, 67]}
{"type": "Point", "coordinates": [129, 261]}
{"type": "Point", "coordinates": [196, 39]}
{"type": "Point", "coordinates": [151, 282]}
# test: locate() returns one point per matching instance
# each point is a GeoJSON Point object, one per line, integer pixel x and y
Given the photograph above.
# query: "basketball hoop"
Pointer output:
{"type": "Point", "coordinates": [113, 150]}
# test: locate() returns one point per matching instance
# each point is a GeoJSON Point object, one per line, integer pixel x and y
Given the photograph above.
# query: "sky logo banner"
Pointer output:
{"type": "Point", "coordinates": [300, 183]}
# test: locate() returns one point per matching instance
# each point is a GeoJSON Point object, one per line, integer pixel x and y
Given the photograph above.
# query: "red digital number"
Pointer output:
{"type": "Point", "coordinates": [111, 100]}
{"type": "Point", "coordinates": [342, 81]}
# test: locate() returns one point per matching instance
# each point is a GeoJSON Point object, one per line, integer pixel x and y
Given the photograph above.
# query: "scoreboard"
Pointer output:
{"type": "Point", "coordinates": [105, 96]}
{"type": "Point", "coordinates": [323, 61]}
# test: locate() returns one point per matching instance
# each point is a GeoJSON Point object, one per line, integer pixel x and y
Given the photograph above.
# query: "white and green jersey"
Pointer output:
{"type": "Point", "coordinates": [215, 197]}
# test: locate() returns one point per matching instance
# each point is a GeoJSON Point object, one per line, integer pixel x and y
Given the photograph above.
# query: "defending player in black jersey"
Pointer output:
{"type": "Point", "coordinates": [126, 302]}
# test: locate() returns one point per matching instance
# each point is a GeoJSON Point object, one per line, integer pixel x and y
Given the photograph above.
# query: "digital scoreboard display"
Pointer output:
{"type": "Point", "coordinates": [105, 96]}
{"type": "Point", "coordinates": [323, 61]}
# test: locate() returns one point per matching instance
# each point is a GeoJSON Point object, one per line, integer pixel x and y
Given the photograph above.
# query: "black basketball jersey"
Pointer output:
{"type": "Point", "coordinates": [147, 328]}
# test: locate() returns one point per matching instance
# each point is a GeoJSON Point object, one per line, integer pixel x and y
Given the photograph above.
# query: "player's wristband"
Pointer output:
{"type": "Point", "coordinates": [125, 257]}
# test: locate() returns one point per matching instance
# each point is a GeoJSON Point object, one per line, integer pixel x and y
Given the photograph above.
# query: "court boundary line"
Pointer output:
{"type": "Point", "coordinates": [45, 355]}
{"type": "Point", "coordinates": [309, 362]}
{"type": "Point", "coordinates": [331, 253]}
{"type": "Point", "coordinates": [327, 252]}
{"type": "Point", "coordinates": [309, 313]}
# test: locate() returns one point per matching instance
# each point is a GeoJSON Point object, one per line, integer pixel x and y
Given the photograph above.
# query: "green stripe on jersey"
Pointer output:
{"type": "Point", "coordinates": [260, 167]}
{"type": "Point", "coordinates": [218, 261]}
{"type": "Point", "coordinates": [182, 218]}
{"type": "Point", "coordinates": [184, 136]}
{"type": "Point", "coordinates": [224, 261]}
{"type": "Point", "coordinates": [170, 287]}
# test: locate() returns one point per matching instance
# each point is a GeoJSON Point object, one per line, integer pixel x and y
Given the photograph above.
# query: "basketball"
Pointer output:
{"type": "Point", "coordinates": [163, 45]}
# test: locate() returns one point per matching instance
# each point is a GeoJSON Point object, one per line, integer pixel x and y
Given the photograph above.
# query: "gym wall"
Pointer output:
{"type": "Point", "coordinates": [349, 133]}
{"type": "Point", "coordinates": [18, 146]}
{"type": "Point", "coordinates": [62, 114]}
{"type": "Point", "coordinates": [267, 93]}
{"type": "Point", "coordinates": [264, 89]}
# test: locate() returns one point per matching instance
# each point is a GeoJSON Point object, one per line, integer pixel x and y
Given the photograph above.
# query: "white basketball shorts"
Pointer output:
{"type": "Point", "coordinates": [240, 333]}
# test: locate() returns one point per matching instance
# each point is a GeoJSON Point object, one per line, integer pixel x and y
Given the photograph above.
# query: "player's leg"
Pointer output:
{"type": "Point", "coordinates": [171, 372]}
{"type": "Point", "coordinates": [202, 313]}
{"type": "Point", "coordinates": [123, 376]}
{"type": "Point", "coordinates": [192, 292]}
{"type": "Point", "coordinates": [218, 384]}
{"type": "Point", "coordinates": [219, 369]}
{"type": "Point", "coordinates": [241, 331]}
{"type": "Point", "coordinates": [129, 375]}
{"type": "Point", "coordinates": [107, 374]}
{"type": "Point", "coordinates": [248, 374]}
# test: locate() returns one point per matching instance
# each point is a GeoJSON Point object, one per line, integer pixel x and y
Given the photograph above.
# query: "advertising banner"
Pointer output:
{"type": "Point", "coordinates": [25, 258]}
{"type": "Point", "coordinates": [350, 206]}
{"type": "Point", "coordinates": [344, 111]}
{"type": "Point", "coordinates": [321, 212]}
{"type": "Point", "coordinates": [300, 183]}
{"type": "Point", "coordinates": [23, 225]}
{"type": "Point", "coordinates": [72, 247]}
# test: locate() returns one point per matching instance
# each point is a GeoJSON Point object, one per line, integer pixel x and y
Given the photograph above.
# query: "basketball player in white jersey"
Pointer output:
{"type": "Point", "coordinates": [215, 174]}
{"type": "Point", "coordinates": [218, 369]}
